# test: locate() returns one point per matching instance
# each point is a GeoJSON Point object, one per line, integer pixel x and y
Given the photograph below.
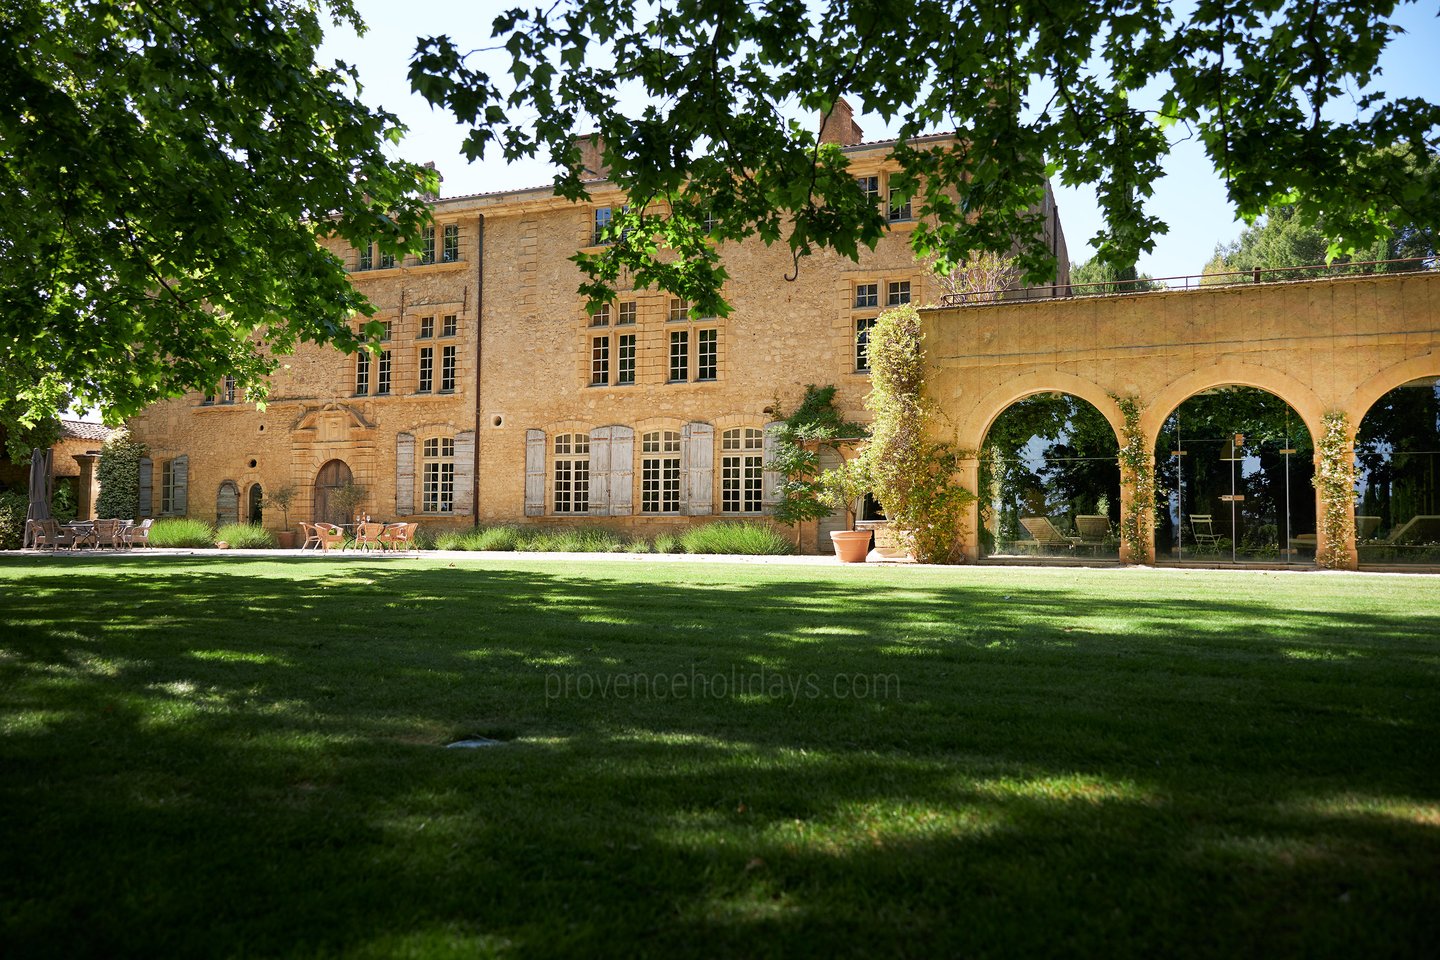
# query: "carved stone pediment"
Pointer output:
{"type": "Point", "coordinates": [330, 421]}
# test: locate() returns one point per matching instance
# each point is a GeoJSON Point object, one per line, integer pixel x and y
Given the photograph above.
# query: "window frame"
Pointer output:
{"type": "Point", "coordinates": [425, 381]}
{"type": "Point", "coordinates": [600, 361]}
{"type": "Point", "coordinates": [427, 245]}
{"type": "Point", "coordinates": [167, 487]}
{"type": "Point", "coordinates": [450, 325]}
{"type": "Point", "coordinates": [362, 372]}
{"type": "Point", "coordinates": [384, 371]}
{"type": "Point", "coordinates": [863, 326]}
{"type": "Point", "coordinates": [895, 296]}
{"type": "Point", "coordinates": [679, 356]}
{"type": "Point", "coordinates": [448, 360]}
{"type": "Point", "coordinates": [660, 472]}
{"type": "Point", "coordinates": [742, 471]}
{"type": "Point", "coordinates": [437, 475]}
{"type": "Point", "coordinates": [570, 474]}
{"type": "Point", "coordinates": [707, 336]}
{"type": "Point", "coordinates": [625, 364]}
{"type": "Point", "coordinates": [427, 328]}
{"type": "Point", "coordinates": [450, 243]}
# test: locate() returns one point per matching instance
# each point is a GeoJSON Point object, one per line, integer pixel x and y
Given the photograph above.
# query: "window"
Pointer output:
{"type": "Point", "coordinates": [898, 292]}
{"type": "Point", "coordinates": [427, 370]}
{"type": "Point", "coordinates": [679, 356]}
{"type": "Point", "coordinates": [870, 186]}
{"type": "Point", "coordinates": [742, 465]}
{"type": "Point", "coordinates": [450, 326]}
{"type": "Point", "coordinates": [438, 475]}
{"type": "Point", "coordinates": [382, 375]}
{"type": "Point", "coordinates": [427, 328]}
{"type": "Point", "coordinates": [601, 233]}
{"type": "Point", "coordinates": [863, 326]}
{"type": "Point", "coordinates": [572, 473]}
{"type": "Point", "coordinates": [599, 361]}
{"type": "Point", "coordinates": [450, 253]}
{"type": "Point", "coordinates": [627, 314]}
{"type": "Point", "coordinates": [679, 310]}
{"type": "Point", "coordinates": [660, 472]}
{"type": "Point", "coordinates": [707, 354]}
{"type": "Point", "coordinates": [899, 208]}
{"type": "Point", "coordinates": [362, 372]}
{"type": "Point", "coordinates": [625, 370]}
{"type": "Point", "coordinates": [387, 260]}
{"type": "Point", "coordinates": [710, 221]}
{"type": "Point", "coordinates": [167, 487]}
{"type": "Point", "coordinates": [867, 295]}
{"type": "Point", "coordinates": [385, 331]}
{"type": "Point", "coordinates": [601, 317]}
{"type": "Point", "coordinates": [366, 260]}
{"type": "Point", "coordinates": [427, 245]}
{"type": "Point", "coordinates": [447, 369]}
{"type": "Point", "coordinates": [227, 390]}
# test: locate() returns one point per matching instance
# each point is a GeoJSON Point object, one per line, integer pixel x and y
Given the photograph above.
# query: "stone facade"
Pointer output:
{"type": "Point", "coordinates": [532, 366]}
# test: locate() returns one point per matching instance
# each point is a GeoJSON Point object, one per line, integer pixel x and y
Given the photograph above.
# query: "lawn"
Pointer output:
{"type": "Point", "coordinates": [226, 757]}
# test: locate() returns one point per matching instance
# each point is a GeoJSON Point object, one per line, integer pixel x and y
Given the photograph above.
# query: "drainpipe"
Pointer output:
{"type": "Point", "coordinates": [479, 356]}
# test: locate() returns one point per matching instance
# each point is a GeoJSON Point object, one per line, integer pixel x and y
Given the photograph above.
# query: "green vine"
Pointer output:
{"type": "Point", "coordinates": [1137, 464]}
{"type": "Point", "coordinates": [1335, 483]}
{"type": "Point", "coordinates": [119, 475]}
{"type": "Point", "coordinates": [913, 476]}
{"type": "Point", "coordinates": [796, 453]}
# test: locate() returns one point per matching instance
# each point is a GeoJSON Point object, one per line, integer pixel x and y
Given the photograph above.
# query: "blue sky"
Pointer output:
{"type": "Point", "coordinates": [1190, 197]}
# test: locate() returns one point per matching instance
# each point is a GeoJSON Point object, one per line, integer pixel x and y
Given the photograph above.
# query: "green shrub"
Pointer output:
{"type": "Point", "coordinates": [496, 538]}
{"type": "Point", "coordinates": [244, 536]}
{"type": "Point", "coordinates": [14, 505]}
{"type": "Point", "coordinates": [728, 536]}
{"type": "Point", "coordinates": [119, 474]}
{"type": "Point", "coordinates": [181, 532]}
{"type": "Point", "coordinates": [668, 543]}
{"type": "Point", "coordinates": [571, 540]}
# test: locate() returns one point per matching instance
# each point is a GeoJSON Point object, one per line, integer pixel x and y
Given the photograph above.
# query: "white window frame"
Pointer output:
{"type": "Point", "coordinates": [570, 472]}
{"type": "Point", "coordinates": [437, 472]}
{"type": "Point", "coordinates": [660, 472]}
{"type": "Point", "coordinates": [742, 471]}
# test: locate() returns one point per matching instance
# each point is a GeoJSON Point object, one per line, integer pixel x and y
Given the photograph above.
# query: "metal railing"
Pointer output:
{"type": "Point", "coordinates": [1192, 281]}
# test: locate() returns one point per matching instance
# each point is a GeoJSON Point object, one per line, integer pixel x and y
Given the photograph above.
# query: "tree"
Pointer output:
{"type": "Point", "coordinates": [1095, 276]}
{"type": "Point", "coordinates": [166, 174]}
{"type": "Point", "coordinates": [1019, 82]}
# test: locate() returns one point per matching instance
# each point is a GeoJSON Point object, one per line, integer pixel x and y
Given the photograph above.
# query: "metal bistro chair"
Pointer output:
{"type": "Point", "coordinates": [1202, 528]}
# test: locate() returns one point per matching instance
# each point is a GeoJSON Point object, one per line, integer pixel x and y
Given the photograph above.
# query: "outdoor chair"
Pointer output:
{"type": "Point", "coordinates": [106, 534]}
{"type": "Point", "coordinates": [1094, 529]}
{"type": "Point", "coordinates": [330, 535]}
{"type": "Point", "coordinates": [310, 536]}
{"type": "Point", "coordinates": [1046, 534]}
{"type": "Point", "coordinates": [138, 535]}
{"type": "Point", "coordinates": [1202, 528]}
{"type": "Point", "coordinates": [398, 536]}
{"type": "Point", "coordinates": [47, 535]}
{"type": "Point", "coordinates": [367, 535]}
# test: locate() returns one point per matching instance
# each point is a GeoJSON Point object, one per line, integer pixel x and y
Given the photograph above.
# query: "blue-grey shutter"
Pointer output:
{"type": "Point", "coordinates": [622, 458]}
{"type": "Point", "coordinates": [534, 473]}
{"type": "Point", "coordinates": [145, 495]}
{"type": "Point", "coordinates": [404, 474]}
{"type": "Point", "coordinates": [600, 471]}
{"type": "Point", "coordinates": [465, 472]}
{"type": "Point", "coordinates": [181, 475]}
{"type": "Point", "coordinates": [698, 443]}
{"type": "Point", "coordinates": [770, 479]}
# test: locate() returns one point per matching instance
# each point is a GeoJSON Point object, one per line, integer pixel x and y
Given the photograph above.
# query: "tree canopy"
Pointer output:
{"type": "Point", "coordinates": [166, 174]}
{"type": "Point", "coordinates": [1032, 89]}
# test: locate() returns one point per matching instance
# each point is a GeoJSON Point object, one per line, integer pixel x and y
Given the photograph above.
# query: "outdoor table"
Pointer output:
{"type": "Point", "coordinates": [81, 533]}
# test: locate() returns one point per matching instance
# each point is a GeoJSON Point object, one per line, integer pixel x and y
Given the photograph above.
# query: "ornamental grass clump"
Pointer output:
{"type": "Point", "coordinates": [181, 532]}
{"type": "Point", "coordinates": [731, 537]}
{"type": "Point", "coordinates": [242, 536]}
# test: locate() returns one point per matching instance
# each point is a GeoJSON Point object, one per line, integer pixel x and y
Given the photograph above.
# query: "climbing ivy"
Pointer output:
{"type": "Point", "coordinates": [1137, 466]}
{"type": "Point", "coordinates": [913, 476]}
{"type": "Point", "coordinates": [795, 454]}
{"type": "Point", "coordinates": [1335, 484]}
{"type": "Point", "coordinates": [119, 475]}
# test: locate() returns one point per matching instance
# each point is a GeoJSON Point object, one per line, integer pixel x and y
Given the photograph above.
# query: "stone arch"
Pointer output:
{"type": "Point", "coordinates": [972, 431]}
{"type": "Point", "coordinates": [1366, 395]}
{"type": "Point", "coordinates": [1301, 398]}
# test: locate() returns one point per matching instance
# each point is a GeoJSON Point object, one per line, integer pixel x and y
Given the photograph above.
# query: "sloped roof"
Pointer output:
{"type": "Point", "coordinates": [80, 430]}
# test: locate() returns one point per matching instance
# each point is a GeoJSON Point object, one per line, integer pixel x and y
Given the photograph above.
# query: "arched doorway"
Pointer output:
{"type": "Point", "coordinates": [227, 504]}
{"type": "Point", "coordinates": [332, 476]}
{"type": "Point", "coordinates": [1233, 471]}
{"type": "Point", "coordinates": [1397, 477]}
{"type": "Point", "coordinates": [255, 505]}
{"type": "Point", "coordinates": [1049, 481]}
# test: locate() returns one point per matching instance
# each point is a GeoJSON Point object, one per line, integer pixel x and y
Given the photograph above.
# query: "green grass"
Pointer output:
{"type": "Point", "coordinates": [234, 756]}
{"type": "Point", "coordinates": [245, 536]}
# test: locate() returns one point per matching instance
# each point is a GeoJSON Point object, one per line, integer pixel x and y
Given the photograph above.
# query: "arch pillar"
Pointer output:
{"type": "Point", "coordinates": [970, 480]}
{"type": "Point", "coordinates": [1145, 555]}
{"type": "Point", "coordinates": [1352, 549]}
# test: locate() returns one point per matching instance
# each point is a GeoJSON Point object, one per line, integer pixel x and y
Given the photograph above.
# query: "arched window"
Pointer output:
{"type": "Point", "coordinates": [742, 462]}
{"type": "Point", "coordinates": [227, 504]}
{"type": "Point", "coordinates": [572, 473]}
{"type": "Point", "coordinates": [660, 472]}
{"type": "Point", "coordinates": [255, 501]}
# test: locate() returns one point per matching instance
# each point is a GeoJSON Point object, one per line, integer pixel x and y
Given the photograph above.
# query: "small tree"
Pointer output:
{"type": "Point", "coordinates": [840, 488]}
{"type": "Point", "coordinates": [281, 497]}
{"type": "Point", "coordinates": [348, 497]}
{"type": "Point", "coordinates": [816, 423]}
{"type": "Point", "coordinates": [980, 279]}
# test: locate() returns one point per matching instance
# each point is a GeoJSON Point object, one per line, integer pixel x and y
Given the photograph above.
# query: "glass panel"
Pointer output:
{"type": "Point", "coordinates": [1397, 477]}
{"type": "Point", "coordinates": [1050, 482]}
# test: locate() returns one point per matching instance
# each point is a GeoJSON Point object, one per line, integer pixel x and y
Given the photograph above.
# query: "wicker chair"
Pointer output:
{"type": "Point", "coordinates": [398, 536]}
{"type": "Point", "coordinates": [330, 535]}
{"type": "Point", "coordinates": [368, 534]}
{"type": "Point", "coordinates": [139, 534]}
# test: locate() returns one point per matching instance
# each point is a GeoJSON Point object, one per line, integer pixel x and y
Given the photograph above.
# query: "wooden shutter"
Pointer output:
{"type": "Point", "coordinates": [698, 443]}
{"type": "Point", "coordinates": [465, 472]}
{"type": "Point", "coordinates": [180, 503]}
{"type": "Point", "coordinates": [600, 471]}
{"type": "Point", "coordinates": [404, 474]}
{"type": "Point", "coordinates": [145, 495]}
{"type": "Point", "coordinates": [770, 479]}
{"type": "Point", "coordinates": [534, 473]}
{"type": "Point", "coordinates": [622, 460]}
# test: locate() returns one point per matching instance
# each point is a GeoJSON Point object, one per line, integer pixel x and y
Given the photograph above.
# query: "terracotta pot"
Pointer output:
{"type": "Point", "coordinates": [851, 546]}
{"type": "Point", "coordinates": [285, 539]}
{"type": "Point", "coordinates": [222, 545]}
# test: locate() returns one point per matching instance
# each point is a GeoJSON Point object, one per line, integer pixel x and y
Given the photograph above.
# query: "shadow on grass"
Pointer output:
{"type": "Point", "coordinates": [224, 757]}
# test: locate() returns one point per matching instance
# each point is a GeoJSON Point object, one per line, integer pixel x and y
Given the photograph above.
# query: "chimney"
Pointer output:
{"type": "Point", "coordinates": [592, 157]}
{"type": "Point", "coordinates": [840, 126]}
{"type": "Point", "coordinates": [430, 165]}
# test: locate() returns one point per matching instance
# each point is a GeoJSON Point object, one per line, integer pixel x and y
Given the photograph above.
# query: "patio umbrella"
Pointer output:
{"type": "Point", "coordinates": [40, 489]}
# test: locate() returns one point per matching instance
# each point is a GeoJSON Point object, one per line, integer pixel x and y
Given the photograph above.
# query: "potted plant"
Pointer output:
{"type": "Point", "coordinates": [282, 497]}
{"type": "Point", "coordinates": [839, 489]}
